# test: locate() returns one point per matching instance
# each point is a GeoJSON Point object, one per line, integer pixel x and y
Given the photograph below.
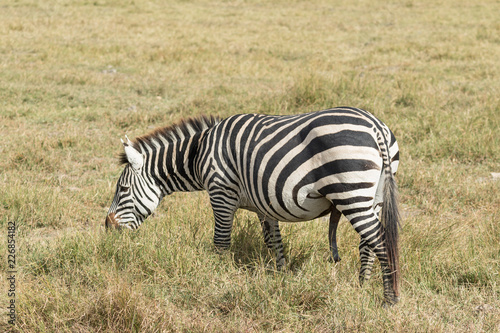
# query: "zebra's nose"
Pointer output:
{"type": "Point", "coordinates": [111, 222]}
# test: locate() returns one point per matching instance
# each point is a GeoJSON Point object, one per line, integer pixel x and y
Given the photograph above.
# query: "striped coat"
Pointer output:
{"type": "Point", "coordinates": [285, 168]}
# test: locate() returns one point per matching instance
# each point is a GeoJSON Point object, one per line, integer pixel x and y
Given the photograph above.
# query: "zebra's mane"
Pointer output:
{"type": "Point", "coordinates": [183, 129]}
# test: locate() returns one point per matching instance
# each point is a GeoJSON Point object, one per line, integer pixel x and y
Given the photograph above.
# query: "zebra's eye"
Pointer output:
{"type": "Point", "coordinates": [124, 188]}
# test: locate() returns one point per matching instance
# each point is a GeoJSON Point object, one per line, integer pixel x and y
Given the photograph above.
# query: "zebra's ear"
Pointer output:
{"type": "Point", "coordinates": [133, 156]}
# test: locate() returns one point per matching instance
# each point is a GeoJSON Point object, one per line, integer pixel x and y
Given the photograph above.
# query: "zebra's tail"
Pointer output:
{"type": "Point", "coordinates": [391, 221]}
{"type": "Point", "coordinates": [390, 216]}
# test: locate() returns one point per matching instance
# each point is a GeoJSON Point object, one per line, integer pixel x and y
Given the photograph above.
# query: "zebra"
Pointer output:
{"type": "Point", "coordinates": [339, 161]}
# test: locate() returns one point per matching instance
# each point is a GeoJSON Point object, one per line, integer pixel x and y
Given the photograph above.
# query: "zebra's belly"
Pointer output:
{"type": "Point", "coordinates": [310, 208]}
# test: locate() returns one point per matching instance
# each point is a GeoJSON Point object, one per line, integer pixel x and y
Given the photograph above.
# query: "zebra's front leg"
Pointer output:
{"type": "Point", "coordinates": [272, 237]}
{"type": "Point", "coordinates": [224, 215]}
{"type": "Point", "coordinates": [367, 258]}
{"type": "Point", "coordinates": [332, 233]}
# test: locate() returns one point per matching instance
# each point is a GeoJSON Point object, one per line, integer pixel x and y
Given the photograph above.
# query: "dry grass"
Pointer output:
{"type": "Point", "coordinates": [77, 76]}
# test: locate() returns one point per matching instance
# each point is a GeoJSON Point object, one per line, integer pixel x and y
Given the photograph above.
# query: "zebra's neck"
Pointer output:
{"type": "Point", "coordinates": [173, 167]}
{"type": "Point", "coordinates": [170, 154]}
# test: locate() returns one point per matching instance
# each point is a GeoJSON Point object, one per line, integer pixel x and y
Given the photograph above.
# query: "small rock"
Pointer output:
{"type": "Point", "coordinates": [495, 175]}
{"type": "Point", "coordinates": [483, 308]}
{"type": "Point", "coordinates": [109, 70]}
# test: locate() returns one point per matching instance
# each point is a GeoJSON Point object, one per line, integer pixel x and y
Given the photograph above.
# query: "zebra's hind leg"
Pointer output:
{"type": "Point", "coordinates": [272, 237]}
{"type": "Point", "coordinates": [367, 258]}
{"type": "Point", "coordinates": [369, 227]}
{"type": "Point", "coordinates": [332, 233]}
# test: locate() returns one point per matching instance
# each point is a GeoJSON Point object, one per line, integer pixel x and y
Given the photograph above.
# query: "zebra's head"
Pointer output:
{"type": "Point", "coordinates": [137, 194]}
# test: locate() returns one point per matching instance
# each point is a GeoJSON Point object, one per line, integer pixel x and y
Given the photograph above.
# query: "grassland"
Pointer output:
{"type": "Point", "coordinates": [75, 76]}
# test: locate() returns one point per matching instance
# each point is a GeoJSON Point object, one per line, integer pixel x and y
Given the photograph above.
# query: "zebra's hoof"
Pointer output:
{"type": "Point", "coordinates": [335, 259]}
{"type": "Point", "coordinates": [388, 303]}
{"type": "Point", "coordinates": [281, 268]}
{"type": "Point", "coordinates": [221, 249]}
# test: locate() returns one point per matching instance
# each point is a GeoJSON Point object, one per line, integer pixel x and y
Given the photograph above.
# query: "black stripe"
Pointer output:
{"type": "Point", "coordinates": [350, 201]}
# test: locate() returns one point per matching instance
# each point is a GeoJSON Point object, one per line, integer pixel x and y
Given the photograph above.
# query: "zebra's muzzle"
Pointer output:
{"type": "Point", "coordinates": [111, 222]}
